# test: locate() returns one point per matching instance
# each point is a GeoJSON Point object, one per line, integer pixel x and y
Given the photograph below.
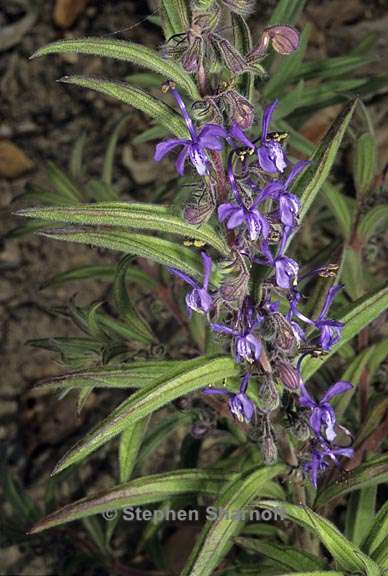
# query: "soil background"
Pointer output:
{"type": "Point", "coordinates": [40, 121]}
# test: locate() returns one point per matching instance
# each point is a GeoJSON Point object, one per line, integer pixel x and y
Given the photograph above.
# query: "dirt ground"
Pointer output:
{"type": "Point", "coordinates": [43, 119]}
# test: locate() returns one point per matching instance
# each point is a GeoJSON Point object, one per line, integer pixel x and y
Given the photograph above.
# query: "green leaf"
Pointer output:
{"type": "Point", "coordinates": [331, 67]}
{"type": "Point", "coordinates": [286, 557]}
{"type": "Point", "coordinates": [107, 171]}
{"type": "Point", "coordinates": [378, 531]}
{"type": "Point", "coordinates": [159, 434]}
{"type": "Point", "coordinates": [358, 315]}
{"type": "Point", "coordinates": [157, 249]}
{"type": "Point", "coordinates": [129, 446]}
{"type": "Point", "coordinates": [127, 51]}
{"type": "Point", "coordinates": [372, 473]}
{"type": "Point", "coordinates": [372, 221]}
{"type": "Point", "coordinates": [101, 272]}
{"type": "Point", "coordinates": [145, 401]}
{"type": "Point", "coordinates": [348, 556]}
{"type": "Point", "coordinates": [364, 163]}
{"type": "Point", "coordinates": [137, 374]}
{"type": "Point", "coordinates": [153, 133]}
{"type": "Point", "coordinates": [309, 183]}
{"type": "Point", "coordinates": [135, 97]}
{"type": "Point", "coordinates": [178, 15]}
{"type": "Point", "coordinates": [216, 538]}
{"type": "Point", "coordinates": [140, 216]}
{"type": "Point", "coordinates": [64, 186]}
{"type": "Point", "coordinates": [127, 311]}
{"type": "Point", "coordinates": [144, 490]}
{"type": "Point", "coordinates": [243, 43]}
{"type": "Point", "coordinates": [77, 157]}
{"type": "Point", "coordinates": [360, 513]}
{"type": "Point", "coordinates": [339, 207]}
{"type": "Point", "coordinates": [287, 12]}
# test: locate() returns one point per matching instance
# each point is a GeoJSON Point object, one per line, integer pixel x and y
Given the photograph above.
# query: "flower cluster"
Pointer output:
{"type": "Point", "coordinates": [259, 304]}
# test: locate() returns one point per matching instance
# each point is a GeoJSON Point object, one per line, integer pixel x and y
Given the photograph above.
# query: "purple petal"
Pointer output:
{"type": "Point", "coordinates": [207, 268]}
{"type": "Point", "coordinates": [221, 329]}
{"type": "Point", "coordinates": [267, 119]}
{"type": "Point", "coordinates": [181, 160]}
{"type": "Point", "coordinates": [236, 219]}
{"type": "Point", "coordinates": [226, 210]}
{"type": "Point", "coordinates": [338, 388]}
{"type": "Point", "coordinates": [184, 277]}
{"type": "Point", "coordinates": [329, 300]}
{"type": "Point", "coordinates": [295, 170]}
{"type": "Point", "coordinates": [238, 134]}
{"type": "Point", "coordinates": [265, 161]}
{"type": "Point", "coordinates": [166, 146]}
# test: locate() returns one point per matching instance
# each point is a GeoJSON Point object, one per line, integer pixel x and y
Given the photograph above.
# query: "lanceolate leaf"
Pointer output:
{"type": "Point", "coordinates": [217, 536]}
{"type": "Point", "coordinates": [371, 473]}
{"type": "Point", "coordinates": [127, 51]}
{"type": "Point", "coordinates": [147, 400]}
{"type": "Point", "coordinates": [358, 315]}
{"type": "Point", "coordinates": [364, 165]}
{"type": "Point", "coordinates": [348, 556]}
{"type": "Point", "coordinates": [308, 185]}
{"type": "Point", "coordinates": [286, 557]}
{"type": "Point", "coordinates": [129, 446]}
{"type": "Point", "coordinates": [126, 215]}
{"type": "Point", "coordinates": [134, 97]}
{"type": "Point", "coordinates": [378, 531]}
{"type": "Point", "coordinates": [145, 490]}
{"type": "Point", "coordinates": [373, 219]}
{"type": "Point", "coordinates": [157, 249]}
{"type": "Point", "coordinates": [133, 375]}
{"type": "Point", "coordinates": [102, 272]}
{"type": "Point", "coordinates": [178, 15]}
{"type": "Point", "coordinates": [124, 306]}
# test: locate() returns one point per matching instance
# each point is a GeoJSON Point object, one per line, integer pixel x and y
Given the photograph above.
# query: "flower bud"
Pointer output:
{"type": "Point", "coordinates": [228, 53]}
{"type": "Point", "coordinates": [269, 450]}
{"type": "Point", "coordinates": [288, 375]}
{"type": "Point", "coordinates": [192, 57]}
{"type": "Point", "coordinates": [198, 213]}
{"type": "Point", "coordinates": [240, 109]}
{"type": "Point", "coordinates": [269, 398]}
{"type": "Point", "coordinates": [234, 289]}
{"type": "Point", "coordinates": [285, 39]}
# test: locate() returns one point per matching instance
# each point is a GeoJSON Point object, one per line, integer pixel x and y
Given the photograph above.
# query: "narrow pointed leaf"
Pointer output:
{"type": "Point", "coordinates": [372, 473]}
{"type": "Point", "coordinates": [134, 97]}
{"type": "Point", "coordinates": [134, 375]}
{"type": "Point", "coordinates": [378, 531]}
{"type": "Point", "coordinates": [145, 490]}
{"type": "Point", "coordinates": [364, 164]}
{"type": "Point", "coordinates": [308, 185]}
{"type": "Point", "coordinates": [127, 51]}
{"type": "Point", "coordinates": [348, 556]}
{"type": "Point", "coordinates": [373, 220]}
{"type": "Point", "coordinates": [147, 400]}
{"type": "Point", "coordinates": [102, 272]}
{"type": "Point", "coordinates": [216, 538]}
{"type": "Point", "coordinates": [287, 557]}
{"type": "Point", "coordinates": [157, 249]}
{"type": "Point", "coordinates": [129, 446]}
{"type": "Point", "coordinates": [128, 215]}
{"type": "Point", "coordinates": [178, 15]}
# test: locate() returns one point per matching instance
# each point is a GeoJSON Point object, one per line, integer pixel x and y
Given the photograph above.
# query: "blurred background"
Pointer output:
{"type": "Point", "coordinates": [40, 122]}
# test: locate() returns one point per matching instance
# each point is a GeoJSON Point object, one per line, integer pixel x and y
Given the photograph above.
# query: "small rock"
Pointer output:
{"type": "Point", "coordinates": [13, 161]}
{"type": "Point", "coordinates": [67, 11]}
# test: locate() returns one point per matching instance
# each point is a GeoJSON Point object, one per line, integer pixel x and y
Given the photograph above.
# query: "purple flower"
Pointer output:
{"type": "Point", "coordinates": [322, 413]}
{"type": "Point", "coordinates": [240, 405]}
{"type": "Point", "coordinates": [246, 345]}
{"type": "Point", "coordinates": [199, 298]}
{"type": "Point", "coordinates": [235, 214]}
{"type": "Point", "coordinates": [270, 152]}
{"type": "Point", "coordinates": [194, 148]}
{"type": "Point", "coordinates": [289, 204]}
{"type": "Point", "coordinates": [322, 456]}
{"type": "Point", "coordinates": [286, 269]}
{"type": "Point", "coordinates": [330, 330]}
